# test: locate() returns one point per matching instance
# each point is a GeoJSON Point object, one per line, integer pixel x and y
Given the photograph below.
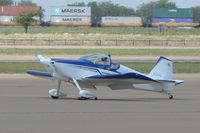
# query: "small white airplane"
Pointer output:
{"type": "Point", "coordinates": [96, 69]}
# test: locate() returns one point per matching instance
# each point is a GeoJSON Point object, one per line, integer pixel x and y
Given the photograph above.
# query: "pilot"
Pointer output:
{"type": "Point", "coordinates": [106, 62]}
{"type": "Point", "coordinates": [104, 59]}
{"type": "Point", "coordinates": [110, 59]}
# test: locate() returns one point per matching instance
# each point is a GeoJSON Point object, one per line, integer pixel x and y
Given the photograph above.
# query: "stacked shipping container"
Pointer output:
{"type": "Point", "coordinates": [181, 17]}
{"type": "Point", "coordinates": [71, 16]}
{"type": "Point", "coordinates": [7, 13]}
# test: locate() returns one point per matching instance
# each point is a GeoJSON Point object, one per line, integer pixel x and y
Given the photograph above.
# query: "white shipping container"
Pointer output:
{"type": "Point", "coordinates": [11, 18]}
{"type": "Point", "coordinates": [69, 19]}
{"type": "Point", "coordinates": [121, 19]}
{"type": "Point", "coordinates": [71, 11]}
{"type": "Point", "coordinates": [6, 18]}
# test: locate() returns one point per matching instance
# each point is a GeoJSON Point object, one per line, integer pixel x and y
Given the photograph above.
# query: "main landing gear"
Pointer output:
{"type": "Point", "coordinates": [84, 94]}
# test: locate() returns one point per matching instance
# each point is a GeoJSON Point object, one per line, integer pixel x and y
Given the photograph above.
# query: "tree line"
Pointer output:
{"type": "Point", "coordinates": [145, 10]}
{"type": "Point", "coordinates": [107, 8]}
{"type": "Point", "coordinates": [20, 3]}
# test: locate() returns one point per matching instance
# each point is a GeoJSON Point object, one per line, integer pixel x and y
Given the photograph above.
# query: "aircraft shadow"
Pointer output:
{"type": "Point", "coordinates": [117, 99]}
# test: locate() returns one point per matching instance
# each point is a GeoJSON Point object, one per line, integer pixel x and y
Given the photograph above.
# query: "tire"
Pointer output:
{"type": "Point", "coordinates": [83, 98]}
{"type": "Point", "coordinates": [54, 97]}
{"type": "Point", "coordinates": [171, 97]}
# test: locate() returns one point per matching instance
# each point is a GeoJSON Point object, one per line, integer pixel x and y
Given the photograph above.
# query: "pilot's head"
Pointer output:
{"type": "Point", "coordinates": [104, 59]}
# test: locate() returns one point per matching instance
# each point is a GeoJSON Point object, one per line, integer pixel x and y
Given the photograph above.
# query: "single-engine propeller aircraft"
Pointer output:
{"type": "Point", "coordinates": [96, 69]}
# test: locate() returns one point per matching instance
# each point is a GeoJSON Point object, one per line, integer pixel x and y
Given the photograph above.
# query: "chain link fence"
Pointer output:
{"type": "Point", "coordinates": [62, 42]}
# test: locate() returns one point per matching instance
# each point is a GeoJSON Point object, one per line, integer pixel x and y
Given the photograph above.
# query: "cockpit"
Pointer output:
{"type": "Point", "coordinates": [101, 60]}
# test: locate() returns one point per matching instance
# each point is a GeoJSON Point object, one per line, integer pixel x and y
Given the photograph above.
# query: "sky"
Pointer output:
{"type": "Point", "coordinates": [46, 4]}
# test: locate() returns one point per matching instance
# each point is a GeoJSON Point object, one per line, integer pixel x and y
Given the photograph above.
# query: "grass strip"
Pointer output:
{"type": "Point", "coordinates": [20, 67]}
{"type": "Point", "coordinates": [101, 30]}
{"type": "Point", "coordinates": [17, 51]}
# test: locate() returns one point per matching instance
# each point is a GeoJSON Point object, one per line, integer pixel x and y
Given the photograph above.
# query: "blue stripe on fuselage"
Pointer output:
{"type": "Point", "coordinates": [123, 76]}
{"type": "Point", "coordinates": [78, 62]}
{"type": "Point", "coordinates": [82, 63]}
{"type": "Point", "coordinates": [89, 69]}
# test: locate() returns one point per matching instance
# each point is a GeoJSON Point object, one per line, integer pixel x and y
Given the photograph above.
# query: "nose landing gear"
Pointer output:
{"type": "Point", "coordinates": [55, 94]}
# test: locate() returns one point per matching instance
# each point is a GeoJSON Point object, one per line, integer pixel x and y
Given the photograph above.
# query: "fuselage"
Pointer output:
{"type": "Point", "coordinates": [93, 65]}
{"type": "Point", "coordinates": [79, 69]}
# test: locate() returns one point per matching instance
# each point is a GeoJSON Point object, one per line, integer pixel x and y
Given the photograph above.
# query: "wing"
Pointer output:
{"type": "Point", "coordinates": [120, 81]}
{"type": "Point", "coordinates": [39, 74]}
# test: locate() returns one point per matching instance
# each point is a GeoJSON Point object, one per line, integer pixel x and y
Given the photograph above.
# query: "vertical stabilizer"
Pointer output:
{"type": "Point", "coordinates": [163, 69]}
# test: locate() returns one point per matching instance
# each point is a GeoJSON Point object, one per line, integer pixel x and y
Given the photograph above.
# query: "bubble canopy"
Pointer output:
{"type": "Point", "coordinates": [102, 59]}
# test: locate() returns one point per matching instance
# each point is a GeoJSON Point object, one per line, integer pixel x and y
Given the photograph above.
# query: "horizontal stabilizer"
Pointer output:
{"type": "Point", "coordinates": [39, 73]}
{"type": "Point", "coordinates": [177, 82]}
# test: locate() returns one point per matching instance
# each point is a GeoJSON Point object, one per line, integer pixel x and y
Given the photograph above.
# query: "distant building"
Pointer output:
{"type": "Point", "coordinates": [180, 17]}
{"type": "Point", "coordinates": [7, 13]}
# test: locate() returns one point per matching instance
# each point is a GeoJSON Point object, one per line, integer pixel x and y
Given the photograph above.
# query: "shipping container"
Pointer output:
{"type": "Point", "coordinates": [6, 18]}
{"type": "Point", "coordinates": [172, 20]}
{"type": "Point", "coordinates": [7, 13]}
{"type": "Point", "coordinates": [9, 20]}
{"type": "Point", "coordinates": [172, 13]}
{"type": "Point", "coordinates": [14, 10]}
{"type": "Point", "coordinates": [176, 24]}
{"type": "Point", "coordinates": [121, 21]}
{"type": "Point", "coordinates": [70, 21]}
{"type": "Point", "coordinates": [70, 11]}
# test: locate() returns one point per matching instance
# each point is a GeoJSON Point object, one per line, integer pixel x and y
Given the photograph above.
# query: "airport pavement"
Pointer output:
{"type": "Point", "coordinates": [122, 58]}
{"type": "Point", "coordinates": [25, 107]}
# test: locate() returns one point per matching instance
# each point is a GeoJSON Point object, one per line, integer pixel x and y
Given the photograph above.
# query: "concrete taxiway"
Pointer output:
{"type": "Point", "coordinates": [25, 107]}
{"type": "Point", "coordinates": [126, 58]}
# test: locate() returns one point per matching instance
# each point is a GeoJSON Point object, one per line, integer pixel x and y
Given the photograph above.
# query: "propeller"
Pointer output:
{"type": "Point", "coordinates": [47, 62]}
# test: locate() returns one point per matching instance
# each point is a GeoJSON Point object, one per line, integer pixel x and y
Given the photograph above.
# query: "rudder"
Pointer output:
{"type": "Point", "coordinates": [163, 69]}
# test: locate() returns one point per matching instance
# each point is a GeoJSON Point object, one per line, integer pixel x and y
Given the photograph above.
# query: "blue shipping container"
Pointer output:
{"type": "Point", "coordinates": [175, 20]}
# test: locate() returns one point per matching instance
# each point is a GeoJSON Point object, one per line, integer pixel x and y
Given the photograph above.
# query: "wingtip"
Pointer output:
{"type": "Point", "coordinates": [28, 71]}
{"type": "Point", "coordinates": [179, 82]}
